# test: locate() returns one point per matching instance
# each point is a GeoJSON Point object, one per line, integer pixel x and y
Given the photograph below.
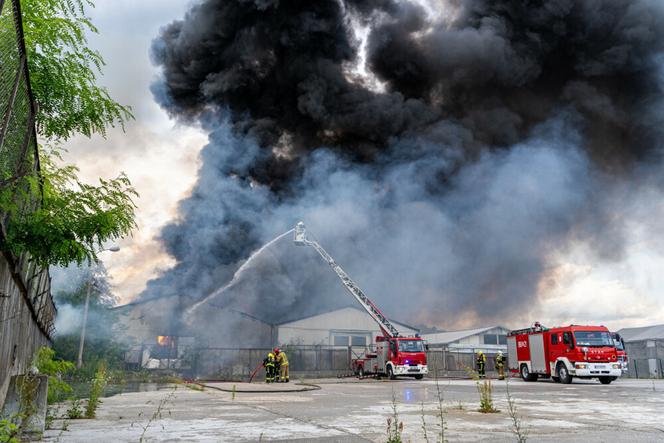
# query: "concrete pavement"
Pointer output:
{"type": "Point", "coordinates": [351, 410]}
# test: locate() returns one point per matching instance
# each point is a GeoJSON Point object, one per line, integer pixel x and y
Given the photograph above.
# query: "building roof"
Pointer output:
{"type": "Point", "coordinates": [655, 332]}
{"type": "Point", "coordinates": [452, 336]}
{"type": "Point", "coordinates": [341, 311]}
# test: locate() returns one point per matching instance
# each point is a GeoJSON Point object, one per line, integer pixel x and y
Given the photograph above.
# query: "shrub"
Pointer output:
{"type": "Point", "coordinates": [58, 389]}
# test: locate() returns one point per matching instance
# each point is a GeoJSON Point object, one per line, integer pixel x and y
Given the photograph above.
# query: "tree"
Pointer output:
{"type": "Point", "coordinates": [101, 342]}
{"type": "Point", "coordinates": [73, 218]}
{"type": "Point", "coordinates": [63, 71]}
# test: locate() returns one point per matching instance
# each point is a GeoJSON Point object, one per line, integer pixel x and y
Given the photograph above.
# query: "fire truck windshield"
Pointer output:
{"type": "Point", "coordinates": [410, 346]}
{"type": "Point", "coordinates": [593, 338]}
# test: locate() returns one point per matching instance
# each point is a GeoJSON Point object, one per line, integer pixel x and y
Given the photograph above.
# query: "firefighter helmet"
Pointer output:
{"type": "Point", "coordinates": [277, 351]}
{"type": "Point", "coordinates": [270, 355]}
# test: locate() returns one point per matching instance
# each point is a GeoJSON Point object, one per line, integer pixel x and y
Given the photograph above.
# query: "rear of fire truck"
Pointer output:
{"type": "Point", "coordinates": [563, 353]}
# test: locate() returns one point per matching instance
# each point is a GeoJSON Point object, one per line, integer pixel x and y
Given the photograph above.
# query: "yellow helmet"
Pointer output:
{"type": "Point", "coordinates": [270, 355]}
{"type": "Point", "coordinates": [480, 353]}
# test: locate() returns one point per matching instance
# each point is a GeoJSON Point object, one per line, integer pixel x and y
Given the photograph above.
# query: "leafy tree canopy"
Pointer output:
{"type": "Point", "coordinates": [75, 219]}
{"type": "Point", "coordinates": [63, 71]}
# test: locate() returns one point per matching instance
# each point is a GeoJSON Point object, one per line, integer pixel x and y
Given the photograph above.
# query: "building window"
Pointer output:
{"type": "Point", "coordinates": [502, 339]}
{"type": "Point", "coordinates": [340, 340]}
{"type": "Point", "coordinates": [358, 340]}
{"type": "Point", "coordinates": [490, 339]}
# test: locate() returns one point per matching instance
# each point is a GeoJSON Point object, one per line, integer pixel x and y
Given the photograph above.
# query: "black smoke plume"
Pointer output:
{"type": "Point", "coordinates": [443, 149]}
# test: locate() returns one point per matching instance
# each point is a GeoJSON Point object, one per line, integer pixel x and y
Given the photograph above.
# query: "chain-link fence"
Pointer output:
{"type": "Point", "coordinates": [27, 312]}
{"type": "Point", "coordinates": [646, 368]}
{"type": "Point", "coordinates": [304, 360]}
{"type": "Point", "coordinates": [19, 157]}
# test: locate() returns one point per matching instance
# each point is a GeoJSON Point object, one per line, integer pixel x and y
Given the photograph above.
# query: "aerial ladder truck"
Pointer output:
{"type": "Point", "coordinates": [394, 355]}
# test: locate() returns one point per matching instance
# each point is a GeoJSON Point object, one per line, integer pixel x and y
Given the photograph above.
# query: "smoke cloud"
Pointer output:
{"type": "Point", "coordinates": [442, 151]}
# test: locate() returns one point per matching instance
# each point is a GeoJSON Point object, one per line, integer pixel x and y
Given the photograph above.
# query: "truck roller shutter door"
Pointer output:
{"type": "Point", "coordinates": [537, 357]}
{"type": "Point", "coordinates": [512, 359]}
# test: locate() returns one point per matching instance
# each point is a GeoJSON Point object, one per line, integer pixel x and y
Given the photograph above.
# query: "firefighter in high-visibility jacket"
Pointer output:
{"type": "Point", "coordinates": [481, 364]}
{"type": "Point", "coordinates": [282, 362]}
{"type": "Point", "coordinates": [268, 364]}
{"type": "Point", "coordinates": [500, 365]}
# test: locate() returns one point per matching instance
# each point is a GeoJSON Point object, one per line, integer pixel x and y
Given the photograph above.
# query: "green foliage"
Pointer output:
{"type": "Point", "coordinates": [485, 389]}
{"type": "Point", "coordinates": [75, 411]}
{"type": "Point", "coordinates": [96, 391]}
{"type": "Point", "coordinates": [9, 431]}
{"type": "Point", "coordinates": [74, 219]}
{"type": "Point", "coordinates": [45, 361]}
{"type": "Point", "coordinates": [63, 70]}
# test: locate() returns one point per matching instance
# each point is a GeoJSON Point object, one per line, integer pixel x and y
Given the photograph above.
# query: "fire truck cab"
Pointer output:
{"type": "Point", "coordinates": [620, 351]}
{"type": "Point", "coordinates": [563, 353]}
{"type": "Point", "coordinates": [394, 356]}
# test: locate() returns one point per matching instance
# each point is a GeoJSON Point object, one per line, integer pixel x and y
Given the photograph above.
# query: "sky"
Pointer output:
{"type": "Point", "coordinates": [161, 158]}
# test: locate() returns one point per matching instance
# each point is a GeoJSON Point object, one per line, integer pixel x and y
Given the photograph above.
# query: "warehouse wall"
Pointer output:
{"type": "Point", "coordinates": [646, 358]}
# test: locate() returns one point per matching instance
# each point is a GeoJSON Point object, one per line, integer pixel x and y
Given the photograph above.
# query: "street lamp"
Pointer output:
{"type": "Point", "coordinates": [79, 361]}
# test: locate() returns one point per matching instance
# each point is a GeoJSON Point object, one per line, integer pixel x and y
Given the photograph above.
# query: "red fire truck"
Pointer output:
{"type": "Point", "coordinates": [563, 353]}
{"type": "Point", "coordinates": [620, 350]}
{"type": "Point", "coordinates": [395, 354]}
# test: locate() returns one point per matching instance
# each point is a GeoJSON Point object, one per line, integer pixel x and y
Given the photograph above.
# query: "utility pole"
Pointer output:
{"type": "Point", "coordinates": [79, 360]}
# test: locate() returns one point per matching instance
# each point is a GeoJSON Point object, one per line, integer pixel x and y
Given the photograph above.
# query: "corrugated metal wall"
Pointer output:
{"type": "Point", "coordinates": [27, 311]}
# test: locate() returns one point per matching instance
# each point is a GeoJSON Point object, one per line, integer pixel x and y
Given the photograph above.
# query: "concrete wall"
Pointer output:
{"type": "Point", "coordinates": [20, 334]}
{"type": "Point", "coordinates": [321, 329]}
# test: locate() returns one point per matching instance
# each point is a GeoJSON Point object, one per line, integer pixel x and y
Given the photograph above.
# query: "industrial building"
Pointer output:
{"type": "Point", "coordinates": [645, 351]}
{"type": "Point", "coordinates": [453, 352]}
{"type": "Point", "coordinates": [344, 327]}
{"type": "Point", "coordinates": [490, 339]}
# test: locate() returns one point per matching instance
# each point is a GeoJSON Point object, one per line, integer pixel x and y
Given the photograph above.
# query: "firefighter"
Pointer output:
{"type": "Point", "coordinates": [500, 365]}
{"type": "Point", "coordinates": [282, 362]}
{"type": "Point", "coordinates": [268, 364]}
{"type": "Point", "coordinates": [481, 363]}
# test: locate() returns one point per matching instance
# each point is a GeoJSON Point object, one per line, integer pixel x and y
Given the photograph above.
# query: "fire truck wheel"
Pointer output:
{"type": "Point", "coordinates": [419, 377]}
{"type": "Point", "coordinates": [605, 380]}
{"type": "Point", "coordinates": [563, 373]}
{"type": "Point", "coordinates": [390, 373]}
{"type": "Point", "coordinates": [526, 375]}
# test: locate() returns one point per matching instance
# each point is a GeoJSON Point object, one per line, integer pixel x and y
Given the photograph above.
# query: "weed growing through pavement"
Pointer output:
{"type": "Point", "coordinates": [394, 426]}
{"type": "Point", "coordinates": [441, 411]}
{"type": "Point", "coordinates": [424, 423]}
{"type": "Point", "coordinates": [233, 393]}
{"type": "Point", "coordinates": [97, 387]}
{"type": "Point", "coordinates": [485, 389]}
{"type": "Point", "coordinates": [517, 424]}
{"type": "Point", "coordinates": [75, 411]}
{"type": "Point", "coordinates": [157, 414]}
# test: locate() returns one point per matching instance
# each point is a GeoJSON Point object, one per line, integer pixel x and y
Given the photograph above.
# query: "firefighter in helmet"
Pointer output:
{"type": "Point", "coordinates": [268, 364]}
{"type": "Point", "coordinates": [481, 364]}
{"type": "Point", "coordinates": [282, 363]}
{"type": "Point", "coordinates": [500, 365]}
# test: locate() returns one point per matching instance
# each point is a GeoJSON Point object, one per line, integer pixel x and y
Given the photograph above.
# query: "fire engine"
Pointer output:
{"type": "Point", "coordinates": [620, 350]}
{"type": "Point", "coordinates": [563, 353]}
{"type": "Point", "coordinates": [394, 355]}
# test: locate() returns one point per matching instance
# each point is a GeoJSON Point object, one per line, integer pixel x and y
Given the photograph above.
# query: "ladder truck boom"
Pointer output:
{"type": "Point", "coordinates": [388, 329]}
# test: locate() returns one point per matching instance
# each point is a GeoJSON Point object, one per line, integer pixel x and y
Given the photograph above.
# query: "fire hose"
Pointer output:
{"type": "Point", "coordinates": [260, 365]}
